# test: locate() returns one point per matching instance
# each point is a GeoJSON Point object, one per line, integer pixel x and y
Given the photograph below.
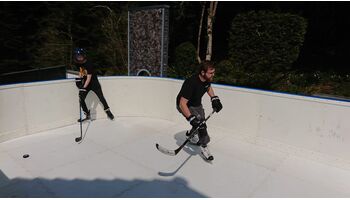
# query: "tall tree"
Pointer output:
{"type": "Point", "coordinates": [203, 4]}
{"type": "Point", "coordinates": [210, 22]}
{"type": "Point", "coordinates": [211, 11]}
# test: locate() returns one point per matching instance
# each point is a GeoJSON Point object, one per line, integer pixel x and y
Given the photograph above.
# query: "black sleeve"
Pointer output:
{"type": "Point", "coordinates": [209, 86]}
{"type": "Point", "coordinates": [187, 90]}
{"type": "Point", "coordinates": [89, 68]}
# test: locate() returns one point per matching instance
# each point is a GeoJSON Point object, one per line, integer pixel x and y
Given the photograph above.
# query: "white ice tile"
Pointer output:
{"type": "Point", "coordinates": [318, 174]}
{"type": "Point", "coordinates": [102, 175]}
{"type": "Point", "coordinates": [224, 177]}
{"type": "Point", "coordinates": [248, 152]}
{"type": "Point", "coordinates": [280, 185]}
{"type": "Point", "coordinates": [119, 159]}
{"type": "Point", "coordinates": [10, 170]}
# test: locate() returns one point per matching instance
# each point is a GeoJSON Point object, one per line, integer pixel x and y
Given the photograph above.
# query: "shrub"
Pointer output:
{"type": "Point", "coordinates": [265, 41]}
{"type": "Point", "coordinates": [184, 62]}
{"type": "Point", "coordinates": [225, 72]}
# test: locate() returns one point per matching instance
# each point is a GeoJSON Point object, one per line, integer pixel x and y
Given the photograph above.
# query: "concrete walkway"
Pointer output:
{"type": "Point", "coordinates": [119, 159]}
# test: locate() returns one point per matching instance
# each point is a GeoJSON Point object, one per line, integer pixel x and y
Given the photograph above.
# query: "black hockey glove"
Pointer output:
{"type": "Point", "coordinates": [216, 104]}
{"type": "Point", "coordinates": [79, 82]}
{"type": "Point", "coordinates": [194, 121]}
{"type": "Point", "coordinates": [82, 92]}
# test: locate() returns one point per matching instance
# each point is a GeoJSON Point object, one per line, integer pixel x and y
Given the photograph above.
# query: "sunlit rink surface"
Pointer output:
{"type": "Point", "coordinates": [119, 159]}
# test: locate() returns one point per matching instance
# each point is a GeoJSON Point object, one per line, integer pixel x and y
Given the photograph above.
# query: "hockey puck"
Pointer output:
{"type": "Point", "coordinates": [25, 156]}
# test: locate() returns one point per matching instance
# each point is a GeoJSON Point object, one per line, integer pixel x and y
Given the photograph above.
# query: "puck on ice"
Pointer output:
{"type": "Point", "coordinates": [25, 156]}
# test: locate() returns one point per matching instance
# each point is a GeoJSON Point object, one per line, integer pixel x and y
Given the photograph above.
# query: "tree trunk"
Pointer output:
{"type": "Point", "coordinates": [200, 32]}
{"type": "Point", "coordinates": [211, 15]}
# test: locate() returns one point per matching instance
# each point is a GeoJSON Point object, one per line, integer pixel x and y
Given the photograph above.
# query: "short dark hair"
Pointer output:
{"type": "Point", "coordinates": [205, 65]}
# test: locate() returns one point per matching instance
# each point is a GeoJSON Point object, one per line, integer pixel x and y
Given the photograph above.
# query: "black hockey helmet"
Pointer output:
{"type": "Point", "coordinates": [79, 55]}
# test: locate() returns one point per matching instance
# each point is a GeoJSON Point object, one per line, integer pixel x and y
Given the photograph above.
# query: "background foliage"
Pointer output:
{"type": "Point", "coordinates": [297, 47]}
{"type": "Point", "coordinates": [263, 45]}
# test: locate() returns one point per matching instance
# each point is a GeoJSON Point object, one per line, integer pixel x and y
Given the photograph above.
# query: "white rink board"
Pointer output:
{"type": "Point", "coordinates": [314, 124]}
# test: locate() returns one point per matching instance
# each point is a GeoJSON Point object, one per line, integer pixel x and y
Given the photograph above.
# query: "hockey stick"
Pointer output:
{"type": "Point", "coordinates": [174, 172]}
{"type": "Point", "coordinates": [192, 133]}
{"type": "Point", "coordinates": [81, 127]}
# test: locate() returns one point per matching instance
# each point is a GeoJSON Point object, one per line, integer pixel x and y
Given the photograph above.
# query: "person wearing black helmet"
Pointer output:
{"type": "Point", "coordinates": [88, 82]}
{"type": "Point", "coordinates": [189, 104]}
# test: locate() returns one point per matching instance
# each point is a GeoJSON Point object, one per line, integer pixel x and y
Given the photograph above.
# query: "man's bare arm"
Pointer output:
{"type": "Point", "coordinates": [211, 92]}
{"type": "Point", "coordinates": [184, 108]}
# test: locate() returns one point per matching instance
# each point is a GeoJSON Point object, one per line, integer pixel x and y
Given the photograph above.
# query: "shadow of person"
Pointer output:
{"type": "Point", "coordinates": [189, 148]}
{"type": "Point", "coordinates": [79, 187]}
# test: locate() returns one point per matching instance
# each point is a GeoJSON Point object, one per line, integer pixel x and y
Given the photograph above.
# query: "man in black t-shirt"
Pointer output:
{"type": "Point", "coordinates": [88, 82]}
{"type": "Point", "coordinates": [189, 103]}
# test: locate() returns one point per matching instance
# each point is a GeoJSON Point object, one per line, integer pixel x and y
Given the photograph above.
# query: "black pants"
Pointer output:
{"type": "Point", "coordinates": [203, 135]}
{"type": "Point", "coordinates": [96, 88]}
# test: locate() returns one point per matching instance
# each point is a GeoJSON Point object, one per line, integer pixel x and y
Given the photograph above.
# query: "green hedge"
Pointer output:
{"type": "Point", "coordinates": [264, 41]}
{"type": "Point", "coordinates": [184, 62]}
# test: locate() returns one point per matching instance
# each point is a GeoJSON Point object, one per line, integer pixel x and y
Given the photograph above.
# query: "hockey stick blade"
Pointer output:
{"type": "Point", "coordinates": [78, 139]}
{"type": "Point", "coordinates": [165, 151]}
